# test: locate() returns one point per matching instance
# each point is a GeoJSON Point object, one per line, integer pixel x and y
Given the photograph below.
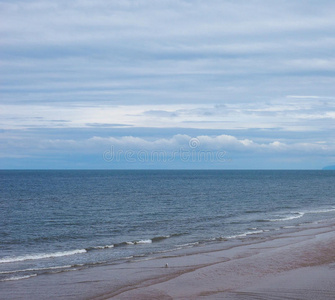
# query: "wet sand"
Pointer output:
{"type": "Point", "coordinates": [294, 265]}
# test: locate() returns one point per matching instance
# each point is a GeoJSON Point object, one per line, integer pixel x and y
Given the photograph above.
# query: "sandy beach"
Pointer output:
{"type": "Point", "coordinates": [294, 266]}
{"type": "Point", "coordinates": [298, 264]}
{"type": "Point", "coordinates": [177, 149]}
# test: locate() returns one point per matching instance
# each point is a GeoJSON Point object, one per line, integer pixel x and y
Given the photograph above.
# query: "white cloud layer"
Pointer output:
{"type": "Point", "coordinates": [292, 113]}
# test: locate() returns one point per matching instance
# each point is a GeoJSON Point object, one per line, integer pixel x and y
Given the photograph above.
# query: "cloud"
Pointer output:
{"type": "Point", "coordinates": [286, 113]}
{"type": "Point", "coordinates": [179, 150]}
{"type": "Point", "coordinates": [106, 125]}
{"type": "Point", "coordinates": [180, 141]}
{"type": "Point", "coordinates": [250, 75]}
{"type": "Point", "coordinates": [161, 113]}
{"type": "Point", "coordinates": [166, 51]}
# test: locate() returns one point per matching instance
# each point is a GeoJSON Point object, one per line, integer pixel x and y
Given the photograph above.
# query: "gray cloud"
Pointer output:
{"type": "Point", "coordinates": [106, 125]}
{"type": "Point", "coordinates": [136, 51]}
{"type": "Point", "coordinates": [161, 113]}
{"type": "Point", "coordinates": [244, 67]}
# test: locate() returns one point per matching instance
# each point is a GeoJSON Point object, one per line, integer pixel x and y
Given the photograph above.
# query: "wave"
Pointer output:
{"type": "Point", "coordinates": [297, 215]}
{"type": "Point", "coordinates": [288, 218]}
{"type": "Point", "coordinates": [19, 277]}
{"type": "Point", "coordinates": [143, 242]}
{"type": "Point", "coordinates": [223, 238]}
{"type": "Point", "coordinates": [241, 235]}
{"type": "Point", "coordinates": [148, 241]}
{"type": "Point", "coordinates": [321, 211]}
{"type": "Point", "coordinates": [189, 244]}
{"type": "Point", "coordinates": [99, 247]}
{"type": "Point", "coordinates": [284, 218]}
{"type": "Point", "coordinates": [40, 269]}
{"type": "Point", "coordinates": [155, 239]}
{"type": "Point", "coordinates": [301, 214]}
{"type": "Point", "coordinates": [40, 256]}
{"type": "Point", "coordinates": [160, 238]}
{"type": "Point", "coordinates": [81, 251]}
{"type": "Point", "coordinates": [245, 234]}
{"type": "Point", "coordinates": [253, 211]}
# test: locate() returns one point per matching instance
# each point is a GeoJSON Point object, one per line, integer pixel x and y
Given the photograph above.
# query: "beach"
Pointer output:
{"type": "Point", "coordinates": [299, 264]}
{"type": "Point", "coordinates": [167, 150]}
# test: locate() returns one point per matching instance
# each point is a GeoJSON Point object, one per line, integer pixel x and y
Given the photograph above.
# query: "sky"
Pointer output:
{"type": "Point", "coordinates": [167, 84]}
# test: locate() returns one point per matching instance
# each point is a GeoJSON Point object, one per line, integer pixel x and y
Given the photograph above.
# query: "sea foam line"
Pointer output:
{"type": "Point", "coordinates": [79, 251]}
{"type": "Point", "coordinates": [301, 214]}
{"type": "Point", "coordinates": [320, 211]}
{"type": "Point", "coordinates": [100, 247]}
{"type": "Point", "coordinates": [19, 277]}
{"type": "Point", "coordinates": [39, 269]}
{"type": "Point", "coordinates": [40, 256]}
{"type": "Point", "coordinates": [146, 241]}
{"type": "Point", "coordinates": [245, 234]}
{"type": "Point", "coordinates": [288, 218]}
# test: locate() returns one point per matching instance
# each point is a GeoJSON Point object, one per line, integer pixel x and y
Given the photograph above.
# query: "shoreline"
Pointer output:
{"type": "Point", "coordinates": [290, 263]}
{"type": "Point", "coordinates": [286, 265]}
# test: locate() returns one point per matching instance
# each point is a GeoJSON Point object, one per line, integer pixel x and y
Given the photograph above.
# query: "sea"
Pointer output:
{"type": "Point", "coordinates": [55, 221]}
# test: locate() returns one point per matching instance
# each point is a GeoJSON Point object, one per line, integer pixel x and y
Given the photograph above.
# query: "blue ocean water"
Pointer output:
{"type": "Point", "coordinates": [55, 221]}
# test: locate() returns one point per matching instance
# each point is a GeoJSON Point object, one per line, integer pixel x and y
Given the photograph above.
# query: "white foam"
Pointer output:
{"type": "Point", "coordinates": [320, 211]}
{"type": "Point", "coordinates": [37, 269]}
{"type": "Point", "coordinates": [245, 234]}
{"type": "Point", "coordinates": [19, 277]}
{"type": "Point", "coordinates": [104, 247]}
{"type": "Point", "coordinates": [301, 214]}
{"type": "Point", "coordinates": [40, 256]}
{"type": "Point", "coordinates": [144, 242]}
{"type": "Point", "coordinates": [188, 245]}
{"type": "Point", "coordinates": [288, 218]}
